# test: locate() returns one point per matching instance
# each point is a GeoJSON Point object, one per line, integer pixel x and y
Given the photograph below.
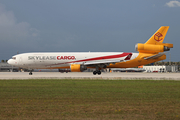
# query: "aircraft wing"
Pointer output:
{"type": "Point", "coordinates": [102, 62]}
{"type": "Point", "coordinates": [107, 62]}
{"type": "Point", "coordinates": [155, 56]}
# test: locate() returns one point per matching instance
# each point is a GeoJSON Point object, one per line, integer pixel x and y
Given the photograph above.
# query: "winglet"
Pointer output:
{"type": "Point", "coordinates": [128, 56]}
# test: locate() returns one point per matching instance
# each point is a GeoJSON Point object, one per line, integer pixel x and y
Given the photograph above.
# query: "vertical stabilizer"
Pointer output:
{"type": "Point", "coordinates": [158, 36]}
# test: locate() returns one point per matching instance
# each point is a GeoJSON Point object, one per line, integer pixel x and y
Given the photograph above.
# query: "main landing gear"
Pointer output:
{"type": "Point", "coordinates": [98, 68]}
{"type": "Point", "coordinates": [97, 72]}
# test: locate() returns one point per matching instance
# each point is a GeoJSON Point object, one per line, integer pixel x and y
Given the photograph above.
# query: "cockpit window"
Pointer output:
{"type": "Point", "coordinates": [14, 58]}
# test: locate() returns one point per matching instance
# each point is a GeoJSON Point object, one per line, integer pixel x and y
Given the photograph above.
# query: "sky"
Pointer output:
{"type": "Point", "coordinates": [85, 25]}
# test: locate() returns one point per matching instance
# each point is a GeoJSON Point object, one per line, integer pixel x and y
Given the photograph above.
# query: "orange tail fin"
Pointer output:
{"type": "Point", "coordinates": [158, 36]}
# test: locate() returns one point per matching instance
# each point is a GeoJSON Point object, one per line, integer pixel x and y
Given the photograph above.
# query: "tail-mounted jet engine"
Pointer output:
{"type": "Point", "coordinates": [151, 48]}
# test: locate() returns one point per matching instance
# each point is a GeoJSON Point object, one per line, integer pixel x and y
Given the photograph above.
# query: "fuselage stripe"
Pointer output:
{"type": "Point", "coordinates": [97, 58]}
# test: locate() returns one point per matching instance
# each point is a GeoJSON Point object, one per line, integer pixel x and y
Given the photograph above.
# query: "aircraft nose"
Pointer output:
{"type": "Point", "coordinates": [10, 61]}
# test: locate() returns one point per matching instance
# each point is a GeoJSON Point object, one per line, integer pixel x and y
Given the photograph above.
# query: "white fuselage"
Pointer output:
{"type": "Point", "coordinates": [52, 60]}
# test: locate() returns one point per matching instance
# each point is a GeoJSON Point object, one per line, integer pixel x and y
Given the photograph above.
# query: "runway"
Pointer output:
{"type": "Point", "coordinates": [89, 75]}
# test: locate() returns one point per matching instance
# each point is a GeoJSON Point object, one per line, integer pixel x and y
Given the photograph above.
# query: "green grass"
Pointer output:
{"type": "Point", "coordinates": [89, 99]}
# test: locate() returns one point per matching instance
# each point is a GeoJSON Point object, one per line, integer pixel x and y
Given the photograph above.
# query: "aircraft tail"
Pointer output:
{"type": "Point", "coordinates": [155, 43]}
{"type": "Point", "coordinates": [158, 36]}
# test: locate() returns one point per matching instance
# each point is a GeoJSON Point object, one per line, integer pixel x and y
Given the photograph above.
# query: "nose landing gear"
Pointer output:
{"type": "Point", "coordinates": [30, 73]}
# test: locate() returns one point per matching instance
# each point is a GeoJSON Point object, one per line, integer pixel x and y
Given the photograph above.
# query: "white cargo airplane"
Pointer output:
{"type": "Point", "coordinates": [151, 51]}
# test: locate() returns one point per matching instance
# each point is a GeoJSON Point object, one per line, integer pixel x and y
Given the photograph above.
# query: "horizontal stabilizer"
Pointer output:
{"type": "Point", "coordinates": [155, 56]}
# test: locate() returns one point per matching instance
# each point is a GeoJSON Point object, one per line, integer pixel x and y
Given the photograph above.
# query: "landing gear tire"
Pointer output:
{"type": "Point", "coordinates": [94, 72]}
{"type": "Point", "coordinates": [97, 72]}
{"type": "Point", "coordinates": [30, 73]}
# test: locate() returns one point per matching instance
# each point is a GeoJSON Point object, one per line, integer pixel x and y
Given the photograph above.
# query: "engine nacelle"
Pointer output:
{"type": "Point", "coordinates": [150, 48]}
{"type": "Point", "coordinates": [78, 68]}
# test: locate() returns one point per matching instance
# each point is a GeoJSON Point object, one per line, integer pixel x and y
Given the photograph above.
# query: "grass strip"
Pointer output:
{"type": "Point", "coordinates": [89, 99]}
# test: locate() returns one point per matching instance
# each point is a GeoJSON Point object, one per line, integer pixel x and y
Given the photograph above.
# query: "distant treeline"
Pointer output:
{"type": "Point", "coordinates": [4, 61]}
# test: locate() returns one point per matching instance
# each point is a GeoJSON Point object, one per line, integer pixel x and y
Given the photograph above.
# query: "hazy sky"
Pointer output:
{"type": "Point", "coordinates": [85, 25]}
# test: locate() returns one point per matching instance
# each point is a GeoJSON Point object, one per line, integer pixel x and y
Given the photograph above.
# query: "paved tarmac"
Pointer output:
{"type": "Point", "coordinates": [89, 75]}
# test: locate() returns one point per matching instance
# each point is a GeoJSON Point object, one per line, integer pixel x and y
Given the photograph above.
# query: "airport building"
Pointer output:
{"type": "Point", "coordinates": [162, 68]}
{"type": "Point", "coordinates": [5, 67]}
{"type": "Point", "coordinates": [128, 69]}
